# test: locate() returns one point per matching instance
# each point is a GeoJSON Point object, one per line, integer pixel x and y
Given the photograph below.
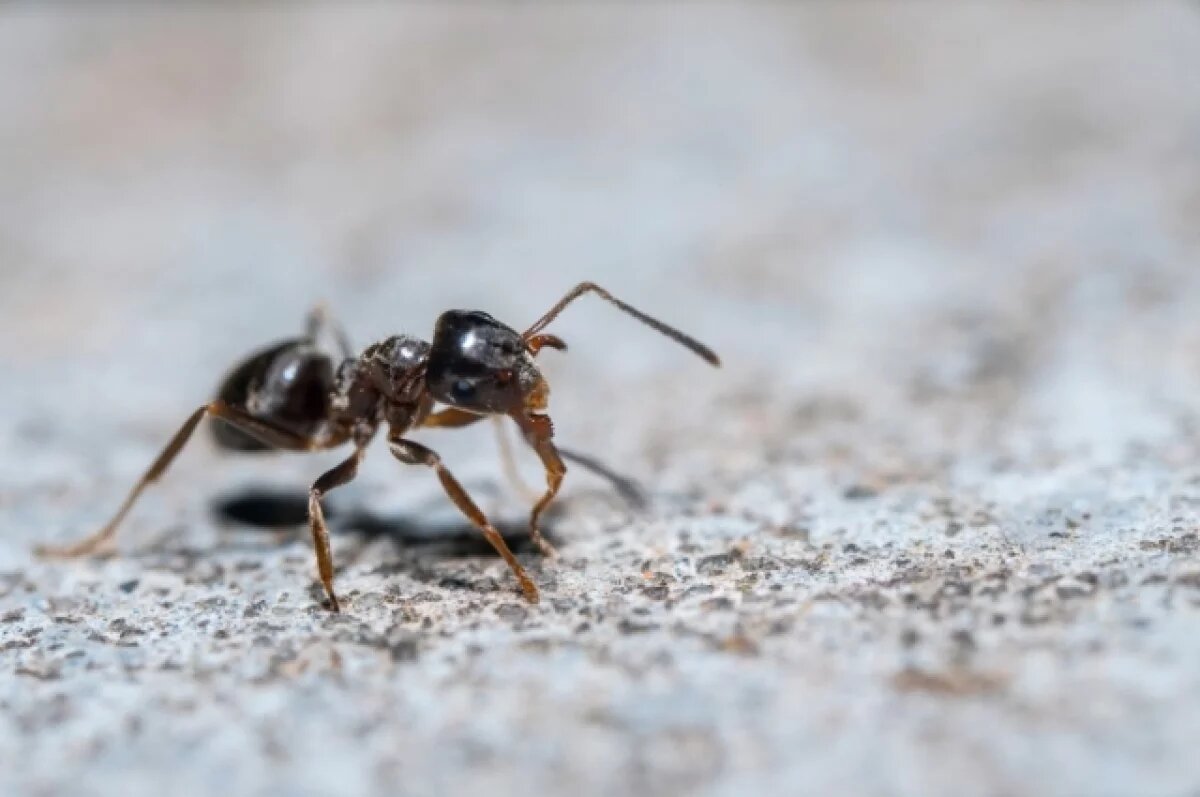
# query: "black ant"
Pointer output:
{"type": "Point", "coordinates": [289, 396]}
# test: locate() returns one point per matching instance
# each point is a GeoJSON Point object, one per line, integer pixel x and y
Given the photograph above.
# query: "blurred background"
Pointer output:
{"type": "Point", "coordinates": [933, 242]}
{"type": "Point", "coordinates": [180, 185]}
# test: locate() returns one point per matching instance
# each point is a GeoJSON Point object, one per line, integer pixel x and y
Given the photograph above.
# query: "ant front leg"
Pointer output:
{"type": "Point", "coordinates": [539, 433]}
{"type": "Point", "coordinates": [413, 453]}
{"type": "Point", "coordinates": [268, 433]}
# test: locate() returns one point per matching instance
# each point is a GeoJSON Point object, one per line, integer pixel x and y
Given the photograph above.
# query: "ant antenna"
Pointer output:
{"type": "Point", "coordinates": [691, 343]}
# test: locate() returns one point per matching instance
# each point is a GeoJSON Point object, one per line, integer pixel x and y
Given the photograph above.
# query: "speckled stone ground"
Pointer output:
{"type": "Point", "coordinates": [931, 531]}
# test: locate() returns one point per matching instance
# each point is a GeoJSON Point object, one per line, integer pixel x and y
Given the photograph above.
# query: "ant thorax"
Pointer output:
{"type": "Point", "coordinates": [398, 354]}
{"type": "Point", "coordinates": [386, 373]}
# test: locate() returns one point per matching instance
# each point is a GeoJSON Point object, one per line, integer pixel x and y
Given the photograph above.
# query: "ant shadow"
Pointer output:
{"type": "Point", "coordinates": [273, 510]}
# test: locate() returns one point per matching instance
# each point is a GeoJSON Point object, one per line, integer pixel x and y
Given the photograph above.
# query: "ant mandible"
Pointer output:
{"type": "Point", "coordinates": [290, 397]}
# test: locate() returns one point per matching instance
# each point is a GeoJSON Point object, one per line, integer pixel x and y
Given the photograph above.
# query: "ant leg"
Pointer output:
{"type": "Point", "coordinates": [320, 318]}
{"type": "Point", "coordinates": [671, 332]}
{"type": "Point", "coordinates": [336, 477]}
{"type": "Point", "coordinates": [508, 461]}
{"type": "Point", "coordinates": [268, 433]}
{"type": "Point", "coordinates": [626, 487]}
{"type": "Point", "coordinates": [413, 453]}
{"type": "Point", "coordinates": [451, 418]}
{"type": "Point", "coordinates": [539, 431]}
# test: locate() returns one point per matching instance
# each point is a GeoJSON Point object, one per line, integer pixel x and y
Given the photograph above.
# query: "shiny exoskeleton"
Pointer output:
{"type": "Point", "coordinates": [291, 396]}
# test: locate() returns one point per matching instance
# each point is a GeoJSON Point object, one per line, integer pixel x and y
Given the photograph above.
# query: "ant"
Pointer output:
{"type": "Point", "coordinates": [289, 396]}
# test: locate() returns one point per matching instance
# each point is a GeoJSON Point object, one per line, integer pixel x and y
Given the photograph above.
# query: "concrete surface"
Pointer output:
{"type": "Point", "coordinates": [931, 531]}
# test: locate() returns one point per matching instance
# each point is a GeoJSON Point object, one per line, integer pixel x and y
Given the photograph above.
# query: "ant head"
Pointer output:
{"type": "Point", "coordinates": [480, 365]}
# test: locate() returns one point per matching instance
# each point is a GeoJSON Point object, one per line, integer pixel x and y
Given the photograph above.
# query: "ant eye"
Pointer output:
{"type": "Point", "coordinates": [462, 390]}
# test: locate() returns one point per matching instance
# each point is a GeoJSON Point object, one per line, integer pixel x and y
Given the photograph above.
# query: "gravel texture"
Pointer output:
{"type": "Point", "coordinates": [932, 530]}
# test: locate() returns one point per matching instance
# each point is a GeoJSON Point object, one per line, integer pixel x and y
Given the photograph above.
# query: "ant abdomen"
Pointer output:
{"type": "Point", "coordinates": [288, 384]}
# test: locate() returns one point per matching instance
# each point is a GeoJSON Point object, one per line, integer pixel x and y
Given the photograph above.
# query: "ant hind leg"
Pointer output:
{"type": "Point", "coordinates": [265, 432]}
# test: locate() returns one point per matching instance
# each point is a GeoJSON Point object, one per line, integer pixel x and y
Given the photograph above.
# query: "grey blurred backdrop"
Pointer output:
{"type": "Point", "coordinates": [950, 254]}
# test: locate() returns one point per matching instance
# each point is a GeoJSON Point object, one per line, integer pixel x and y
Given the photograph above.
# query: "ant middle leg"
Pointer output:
{"type": "Point", "coordinates": [413, 453]}
{"type": "Point", "coordinates": [266, 432]}
{"type": "Point", "coordinates": [343, 473]}
{"type": "Point", "coordinates": [320, 319]}
{"type": "Point", "coordinates": [627, 488]}
{"type": "Point", "coordinates": [508, 461]}
{"type": "Point", "coordinates": [453, 418]}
